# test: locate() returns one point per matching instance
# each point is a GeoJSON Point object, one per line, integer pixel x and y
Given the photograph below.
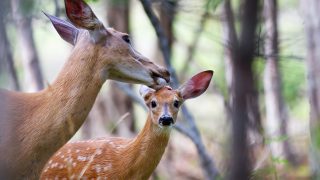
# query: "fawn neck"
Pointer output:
{"type": "Point", "coordinates": [145, 151]}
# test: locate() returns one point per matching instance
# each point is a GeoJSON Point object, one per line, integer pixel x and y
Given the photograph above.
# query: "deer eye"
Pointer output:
{"type": "Point", "coordinates": [176, 103]}
{"type": "Point", "coordinates": [153, 104]}
{"type": "Point", "coordinates": [126, 38]}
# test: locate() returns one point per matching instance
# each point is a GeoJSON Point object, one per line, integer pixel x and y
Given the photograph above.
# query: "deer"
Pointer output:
{"type": "Point", "coordinates": [33, 126]}
{"type": "Point", "coordinates": [122, 158]}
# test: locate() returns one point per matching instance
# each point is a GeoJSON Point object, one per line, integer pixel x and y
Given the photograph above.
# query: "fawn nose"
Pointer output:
{"type": "Point", "coordinates": [166, 120]}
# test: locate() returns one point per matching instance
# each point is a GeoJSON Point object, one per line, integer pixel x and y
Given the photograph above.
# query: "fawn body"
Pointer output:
{"type": "Point", "coordinates": [33, 126]}
{"type": "Point", "coordinates": [120, 158]}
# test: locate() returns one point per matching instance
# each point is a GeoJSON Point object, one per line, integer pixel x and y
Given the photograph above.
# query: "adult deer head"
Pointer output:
{"type": "Point", "coordinates": [114, 56]}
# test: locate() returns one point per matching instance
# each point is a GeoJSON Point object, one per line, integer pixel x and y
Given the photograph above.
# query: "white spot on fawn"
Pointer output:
{"type": "Point", "coordinates": [50, 162]}
{"type": "Point", "coordinates": [74, 164]}
{"type": "Point", "coordinates": [69, 150]}
{"type": "Point", "coordinates": [98, 168]}
{"type": "Point", "coordinates": [72, 176]}
{"type": "Point", "coordinates": [82, 158]}
{"type": "Point", "coordinates": [77, 151]}
{"type": "Point", "coordinates": [99, 151]}
{"type": "Point", "coordinates": [107, 167]}
{"type": "Point", "coordinates": [54, 165]}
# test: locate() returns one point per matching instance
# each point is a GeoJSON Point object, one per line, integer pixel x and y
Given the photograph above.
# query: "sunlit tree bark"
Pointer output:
{"type": "Point", "coordinates": [6, 59]}
{"type": "Point", "coordinates": [276, 113]}
{"type": "Point", "coordinates": [22, 13]}
{"type": "Point", "coordinates": [311, 10]}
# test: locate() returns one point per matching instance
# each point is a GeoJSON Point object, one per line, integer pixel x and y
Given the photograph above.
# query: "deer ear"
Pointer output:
{"type": "Point", "coordinates": [145, 91]}
{"type": "Point", "coordinates": [195, 86]}
{"type": "Point", "coordinates": [81, 15]}
{"type": "Point", "coordinates": [66, 30]}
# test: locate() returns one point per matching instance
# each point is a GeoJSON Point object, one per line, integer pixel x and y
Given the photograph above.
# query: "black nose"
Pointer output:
{"type": "Point", "coordinates": [165, 120]}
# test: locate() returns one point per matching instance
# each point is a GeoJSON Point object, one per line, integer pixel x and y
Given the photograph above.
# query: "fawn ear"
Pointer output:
{"type": "Point", "coordinates": [66, 30]}
{"type": "Point", "coordinates": [195, 86]}
{"type": "Point", "coordinates": [145, 91]}
{"type": "Point", "coordinates": [81, 15]}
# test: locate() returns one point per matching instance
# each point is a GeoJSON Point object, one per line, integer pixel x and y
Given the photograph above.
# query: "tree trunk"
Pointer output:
{"type": "Point", "coordinates": [23, 19]}
{"type": "Point", "coordinates": [118, 17]}
{"type": "Point", "coordinates": [5, 50]}
{"type": "Point", "coordinates": [242, 89]}
{"type": "Point", "coordinates": [167, 13]}
{"type": "Point", "coordinates": [255, 129]}
{"type": "Point", "coordinates": [276, 113]}
{"type": "Point", "coordinates": [311, 10]}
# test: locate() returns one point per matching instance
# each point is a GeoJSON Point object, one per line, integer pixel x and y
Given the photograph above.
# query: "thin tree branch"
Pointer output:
{"type": "Point", "coordinates": [131, 94]}
{"type": "Point", "coordinates": [206, 162]}
{"type": "Point", "coordinates": [193, 46]}
{"type": "Point", "coordinates": [293, 57]}
{"type": "Point", "coordinates": [163, 40]}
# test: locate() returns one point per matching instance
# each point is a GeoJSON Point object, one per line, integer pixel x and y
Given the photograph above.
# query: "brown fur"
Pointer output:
{"type": "Point", "coordinates": [35, 125]}
{"type": "Point", "coordinates": [117, 158]}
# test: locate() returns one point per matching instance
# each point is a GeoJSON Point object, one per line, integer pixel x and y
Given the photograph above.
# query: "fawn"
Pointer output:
{"type": "Point", "coordinates": [121, 158]}
{"type": "Point", "coordinates": [35, 125]}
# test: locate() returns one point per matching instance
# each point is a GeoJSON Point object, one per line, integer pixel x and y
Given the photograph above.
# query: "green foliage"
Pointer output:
{"type": "Point", "coordinates": [315, 137]}
{"type": "Point", "coordinates": [263, 173]}
{"type": "Point", "coordinates": [293, 80]}
{"type": "Point", "coordinates": [213, 4]}
{"type": "Point", "coordinates": [288, 4]}
{"type": "Point", "coordinates": [278, 160]}
{"type": "Point", "coordinates": [27, 7]}
{"type": "Point", "coordinates": [276, 139]}
{"type": "Point", "coordinates": [91, 1]}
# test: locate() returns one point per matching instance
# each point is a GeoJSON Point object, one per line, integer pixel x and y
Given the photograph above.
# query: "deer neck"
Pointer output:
{"type": "Point", "coordinates": [77, 86]}
{"type": "Point", "coordinates": [147, 149]}
{"type": "Point", "coordinates": [60, 109]}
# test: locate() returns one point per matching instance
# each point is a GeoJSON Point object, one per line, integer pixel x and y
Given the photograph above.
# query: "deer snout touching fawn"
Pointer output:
{"type": "Point", "coordinates": [35, 125]}
{"type": "Point", "coordinates": [120, 158]}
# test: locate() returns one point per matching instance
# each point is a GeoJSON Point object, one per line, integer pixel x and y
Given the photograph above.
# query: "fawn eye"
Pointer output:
{"type": "Point", "coordinates": [126, 38]}
{"type": "Point", "coordinates": [176, 103]}
{"type": "Point", "coordinates": [153, 104]}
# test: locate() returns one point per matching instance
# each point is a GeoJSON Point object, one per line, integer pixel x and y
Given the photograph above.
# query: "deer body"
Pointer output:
{"type": "Point", "coordinates": [114, 158]}
{"type": "Point", "coordinates": [120, 158]}
{"type": "Point", "coordinates": [33, 126]}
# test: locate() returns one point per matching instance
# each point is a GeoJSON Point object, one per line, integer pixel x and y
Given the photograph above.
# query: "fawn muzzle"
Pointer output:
{"type": "Point", "coordinates": [166, 120]}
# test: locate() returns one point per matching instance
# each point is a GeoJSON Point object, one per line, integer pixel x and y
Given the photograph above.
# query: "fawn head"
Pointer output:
{"type": "Point", "coordinates": [164, 104]}
{"type": "Point", "coordinates": [113, 52]}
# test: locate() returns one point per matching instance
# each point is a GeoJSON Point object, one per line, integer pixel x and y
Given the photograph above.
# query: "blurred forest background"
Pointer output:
{"type": "Point", "coordinates": [253, 121]}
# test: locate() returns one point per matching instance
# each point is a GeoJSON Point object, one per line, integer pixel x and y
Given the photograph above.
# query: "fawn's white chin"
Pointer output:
{"type": "Point", "coordinates": [165, 126]}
